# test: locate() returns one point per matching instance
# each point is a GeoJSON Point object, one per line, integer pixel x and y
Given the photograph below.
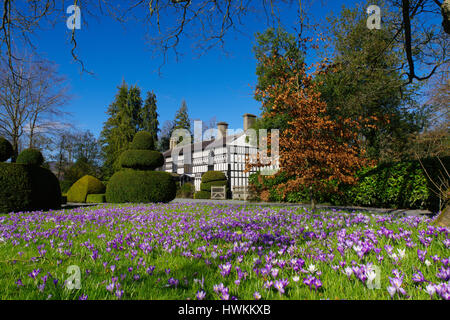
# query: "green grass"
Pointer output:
{"type": "Point", "coordinates": [186, 228]}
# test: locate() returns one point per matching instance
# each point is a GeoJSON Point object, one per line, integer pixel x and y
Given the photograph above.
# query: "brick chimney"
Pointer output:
{"type": "Point", "coordinates": [249, 120]}
{"type": "Point", "coordinates": [222, 129]}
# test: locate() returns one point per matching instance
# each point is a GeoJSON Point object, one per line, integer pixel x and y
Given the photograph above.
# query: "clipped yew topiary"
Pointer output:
{"type": "Point", "coordinates": [96, 198]}
{"type": "Point", "coordinates": [142, 141]}
{"type": "Point", "coordinates": [31, 157]}
{"type": "Point", "coordinates": [211, 179]}
{"type": "Point", "coordinates": [141, 159]}
{"type": "Point", "coordinates": [27, 186]}
{"type": "Point", "coordinates": [136, 182]}
{"type": "Point", "coordinates": [79, 191]}
{"type": "Point", "coordinates": [141, 186]}
{"type": "Point", "coordinates": [207, 186]}
{"type": "Point", "coordinates": [6, 149]}
{"type": "Point", "coordinates": [210, 176]}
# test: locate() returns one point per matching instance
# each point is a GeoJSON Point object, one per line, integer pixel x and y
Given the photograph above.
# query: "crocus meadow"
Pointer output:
{"type": "Point", "coordinates": [209, 251]}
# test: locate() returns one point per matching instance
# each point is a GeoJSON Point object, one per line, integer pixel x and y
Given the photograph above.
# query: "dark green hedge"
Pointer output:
{"type": "Point", "coordinates": [79, 191]}
{"type": "Point", "coordinates": [25, 187]}
{"type": "Point", "coordinates": [130, 185]}
{"type": "Point", "coordinates": [186, 190]}
{"type": "Point", "coordinates": [31, 157]}
{"type": "Point", "coordinates": [96, 198]}
{"type": "Point", "coordinates": [141, 159]}
{"type": "Point", "coordinates": [142, 141]}
{"type": "Point", "coordinates": [213, 176]}
{"type": "Point", "coordinates": [202, 195]}
{"type": "Point", "coordinates": [399, 185]}
{"type": "Point", "coordinates": [207, 186]}
{"type": "Point", "coordinates": [6, 149]}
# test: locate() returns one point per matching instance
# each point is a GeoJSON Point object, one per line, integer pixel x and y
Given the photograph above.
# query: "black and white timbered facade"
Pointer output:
{"type": "Point", "coordinates": [226, 153]}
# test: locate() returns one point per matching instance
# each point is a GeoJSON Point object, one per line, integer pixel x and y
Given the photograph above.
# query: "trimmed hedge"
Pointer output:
{"type": "Point", "coordinates": [30, 157]}
{"type": "Point", "coordinates": [202, 195]}
{"type": "Point", "coordinates": [187, 190]}
{"type": "Point", "coordinates": [142, 141]}
{"type": "Point", "coordinates": [213, 176]}
{"type": "Point", "coordinates": [141, 186]}
{"type": "Point", "coordinates": [83, 187]}
{"type": "Point", "coordinates": [207, 186]}
{"type": "Point", "coordinates": [96, 198]}
{"type": "Point", "coordinates": [26, 188]}
{"type": "Point", "coordinates": [6, 149]}
{"type": "Point", "coordinates": [141, 159]}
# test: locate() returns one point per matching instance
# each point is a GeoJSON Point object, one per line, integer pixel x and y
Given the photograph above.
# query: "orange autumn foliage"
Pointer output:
{"type": "Point", "coordinates": [316, 151]}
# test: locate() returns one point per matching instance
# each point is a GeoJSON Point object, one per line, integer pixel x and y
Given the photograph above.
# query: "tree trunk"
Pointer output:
{"type": "Point", "coordinates": [445, 9]}
{"type": "Point", "coordinates": [444, 218]}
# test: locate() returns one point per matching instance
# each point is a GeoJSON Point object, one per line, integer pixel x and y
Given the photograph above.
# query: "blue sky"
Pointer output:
{"type": "Point", "coordinates": [214, 84]}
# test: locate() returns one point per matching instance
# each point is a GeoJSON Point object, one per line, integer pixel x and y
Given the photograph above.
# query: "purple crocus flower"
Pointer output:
{"type": "Point", "coordinates": [256, 295]}
{"type": "Point", "coordinates": [444, 274]}
{"type": "Point", "coordinates": [200, 295]}
{"type": "Point", "coordinates": [33, 274]}
{"type": "Point", "coordinates": [110, 287]}
{"type": "Point", "coordinates": [421, 254]}
{"type": "Point", "coordinates": [83, 297]}
{"type": "Point", "coordinates": [418, 277]}
{"type": "Point", "coordinates": [150, 270]}
{"type": "Point", "coordinates": [119, 293]}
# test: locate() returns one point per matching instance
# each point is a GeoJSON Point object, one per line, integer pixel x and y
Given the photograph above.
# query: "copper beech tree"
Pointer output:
{"type": "Point", "coordinates": [316, 151]}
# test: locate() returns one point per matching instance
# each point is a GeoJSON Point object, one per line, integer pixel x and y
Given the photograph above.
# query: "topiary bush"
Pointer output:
{"type": "Point", "coordinates": [28, 187]}
{"type": "Point", "coordinates": [142, 141]}
{"type": "Point", "coordinates": [141, 186]}
{"type": "Point", "coordinates": [79, 191]}
{"type": "Point", "coordinates": [141, 159]}
{"type": "Point", "coordinates": [96, 198]}
{"type": "Point", "coordinates": [207, 186]}
{"type": "Point", "coordinates": [187, 190]}
{"type": "Point", "coordinates": [30, 157]}
{"type": "Point", "coordinates": [210, 176]}
{"type": "Point", "coordinates": [209, 179]}
{"type": "Point", "coordinates": [136, 182]}
{"type": "Point", "coordinates": [6, 149]}
{"type": "Point", "coordinates": [202, 195]}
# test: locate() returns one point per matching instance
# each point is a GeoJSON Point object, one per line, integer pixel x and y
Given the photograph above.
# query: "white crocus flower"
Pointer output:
{"type": "Point", "coordinates": [312, 268]}
{"type": "Point", "coordinates": [295, 278]}
{"type": "Point", "coordinates": [2, 240]}
{"type": "Point", "coordinates": [401, 253]}
{"type": "Point", "coordinates": [427, 263]}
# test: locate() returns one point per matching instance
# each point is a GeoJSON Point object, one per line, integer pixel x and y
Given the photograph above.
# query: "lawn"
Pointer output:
{"type": "Point", "coordinates": [205, 251]}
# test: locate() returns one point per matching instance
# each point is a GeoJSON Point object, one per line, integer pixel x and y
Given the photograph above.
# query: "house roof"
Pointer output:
{"type": "Point", "coordinates": [213, 143]}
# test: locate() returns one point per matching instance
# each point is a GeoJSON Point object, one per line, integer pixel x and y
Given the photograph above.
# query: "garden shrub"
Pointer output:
{"type": "Point", "coordinates": [28, 187]}
{"type": "Point", "coordinates": [210, 176]}
{"type": "Point", "coordinates": [186, 190]}
{"type": "Point", "coordinates": [76, 171]}
{"type": "Point", "coordinates": [140, 186]}
{"type": "Point", "coordinates": [142, 141]}
{"type": "Point", "coordinates": [6, 149]}
{"type": "Point", "coordinates": [207, 186]}
{"type": "Point", "coordinates": [395, 185]}
{"type": "Point", "coordinates": [202, 195]}
{"type": "Point", "coordinates": [83, 187]}
{"type": "Point", "coordinates": [136, 182]}
{"type": "Point", "coordinates": [30, 157]}
{"type": "Point", "coordinates": [141, 159]}
{"type": "Point", "coordinates": [96, 198]}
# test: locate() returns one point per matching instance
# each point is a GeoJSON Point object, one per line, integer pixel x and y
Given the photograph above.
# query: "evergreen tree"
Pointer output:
{"type": "Point", "coordinates": [278, 53]}
{"type": "Point", "coordinates": [182, 120]}
{"type": "Point", "coordinates": [149, 116]}
{"type": "Point", "coordinates": [123, 123]}
{"type": "Point", "coordinates": [367, 83]}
